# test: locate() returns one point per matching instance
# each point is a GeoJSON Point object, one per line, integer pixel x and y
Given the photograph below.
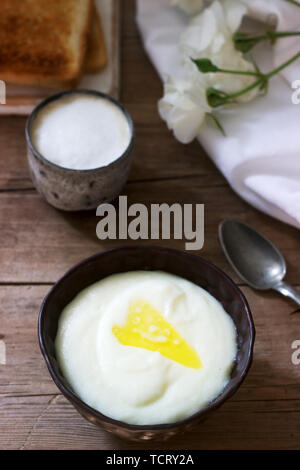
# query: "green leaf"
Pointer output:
{"type": "Point", "coordinates": [217, 123]}
{"type": "Point", "coordinates": [244, 43]}
{"type": "Point", "coordinates": [265, 84]}
{"type": "Point", "coordinates": [264, 87]}
{"type": "Point", "coordinates": [216, 97]}
{"type": "Point", "coordinates": [205, 65]}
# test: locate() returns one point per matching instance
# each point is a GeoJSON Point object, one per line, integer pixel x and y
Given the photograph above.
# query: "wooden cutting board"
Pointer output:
{"type": "Point", "coordinates": [22, 99]}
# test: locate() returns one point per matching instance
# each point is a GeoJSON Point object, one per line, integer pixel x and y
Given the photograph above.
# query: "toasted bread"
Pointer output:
{"type": "Point", "coordinates": [96, 55]}
{"type": "Point", "coordinates": [43, 42]}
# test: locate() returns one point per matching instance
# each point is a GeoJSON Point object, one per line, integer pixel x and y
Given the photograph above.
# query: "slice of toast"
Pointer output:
{"type": "Point", "coordinates": [43, 42]}
{"type": "Point", "coordinates": [96, 55]}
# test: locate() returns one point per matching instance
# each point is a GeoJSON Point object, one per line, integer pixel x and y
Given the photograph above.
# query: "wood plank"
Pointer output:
{"type": "Point", "coordinates": [266, 408]}
{"type": "Point", "coordinates": [156, 153]}
{"type": "Point", "coordinates": [39, 243]}
{"type": "Point", "coordinates": [51, 423]}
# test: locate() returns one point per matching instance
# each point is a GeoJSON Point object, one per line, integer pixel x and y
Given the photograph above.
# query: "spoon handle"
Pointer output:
{"type": "Point", "coordinates": [288, 291]}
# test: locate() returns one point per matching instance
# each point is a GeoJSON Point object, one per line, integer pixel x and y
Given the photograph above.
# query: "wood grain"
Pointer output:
{"type": "Point", "coordinates": [44, 250]}
{"type": "Point", "coordinates": [38, 244]}
{"type": "Point", "coordinates": [265, 413]}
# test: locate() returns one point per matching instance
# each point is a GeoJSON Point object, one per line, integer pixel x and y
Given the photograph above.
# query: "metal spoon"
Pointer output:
{"type": "Point", "coordinates": [254, 258]}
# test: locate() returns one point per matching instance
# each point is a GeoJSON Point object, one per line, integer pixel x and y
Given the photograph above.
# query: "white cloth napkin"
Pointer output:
{"type": "Point", "coordinates": [260, 156]}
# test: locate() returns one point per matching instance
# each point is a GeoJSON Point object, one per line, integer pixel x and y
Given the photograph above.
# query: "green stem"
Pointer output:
{"type": "Point", "coordinates": [239, 72]}
{"type": "Point", "coordinates": [282, 66]}
{"type": "Point", "coordinates": [269, 36]}
{"type": "Point", "coordinates": [217, 123]}
{"type": "Point", "coordinates": [244, 42]}
{"type": "Point", "coordinates": [264, 79]}
{"type": "Point", "coordinates": [294, 2]}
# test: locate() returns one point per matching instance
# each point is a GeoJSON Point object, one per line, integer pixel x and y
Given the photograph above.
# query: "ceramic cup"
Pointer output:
{"type": "Point", "coordinates": [75, 190]}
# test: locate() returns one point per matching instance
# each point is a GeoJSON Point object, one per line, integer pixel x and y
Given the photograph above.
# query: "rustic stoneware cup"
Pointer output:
{"type": "Point", "coordinates": [125, 259]}
{"type": "Point", "coordinates": [75, 190]}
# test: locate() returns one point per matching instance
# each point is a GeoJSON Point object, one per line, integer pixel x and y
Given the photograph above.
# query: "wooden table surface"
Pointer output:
{"type": "Point", "coordinates": [38, 244]}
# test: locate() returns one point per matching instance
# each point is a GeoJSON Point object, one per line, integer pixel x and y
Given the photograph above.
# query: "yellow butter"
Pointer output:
{"type": "Point", "coordinates": [146, 328]}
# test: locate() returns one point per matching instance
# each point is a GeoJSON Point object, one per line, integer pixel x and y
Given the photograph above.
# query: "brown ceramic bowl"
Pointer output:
{"type": "Point", "coordinates": [126, 259]}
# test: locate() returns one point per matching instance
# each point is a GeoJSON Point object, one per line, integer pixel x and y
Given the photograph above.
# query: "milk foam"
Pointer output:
{"type": "Point", "coordinates": [81, 132]}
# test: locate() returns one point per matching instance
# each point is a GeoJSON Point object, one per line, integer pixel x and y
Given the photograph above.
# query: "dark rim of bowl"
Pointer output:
{"type": "Point", "coordinates": [214, 404]}
{"type": "Point", "coordinates": [79, 91]}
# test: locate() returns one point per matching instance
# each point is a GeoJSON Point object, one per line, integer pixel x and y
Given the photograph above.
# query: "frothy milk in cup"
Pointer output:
{"type": "Point", "coordinates": [81, 132]}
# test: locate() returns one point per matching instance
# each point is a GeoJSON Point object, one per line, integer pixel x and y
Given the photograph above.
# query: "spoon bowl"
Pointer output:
{"type": "Point", "coordinates": [255, 259]}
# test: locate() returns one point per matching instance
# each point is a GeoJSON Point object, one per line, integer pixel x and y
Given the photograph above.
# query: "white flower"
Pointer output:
{"type": "Point", "coordinates": [183, 115]}
{"type": "Point", "coordinates": [209, 35]}
{"type": "Point", "coordinates": [189, 6]}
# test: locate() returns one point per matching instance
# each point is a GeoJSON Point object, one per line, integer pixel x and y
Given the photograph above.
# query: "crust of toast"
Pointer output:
{"type": "Point", "coordinates": [44, 42]}
{"type": "Point", "coordinates": [96, 55]}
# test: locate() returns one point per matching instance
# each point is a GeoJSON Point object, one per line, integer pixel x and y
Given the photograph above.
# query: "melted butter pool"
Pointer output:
{"type": "Point", "coordinates": [146, 328]}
